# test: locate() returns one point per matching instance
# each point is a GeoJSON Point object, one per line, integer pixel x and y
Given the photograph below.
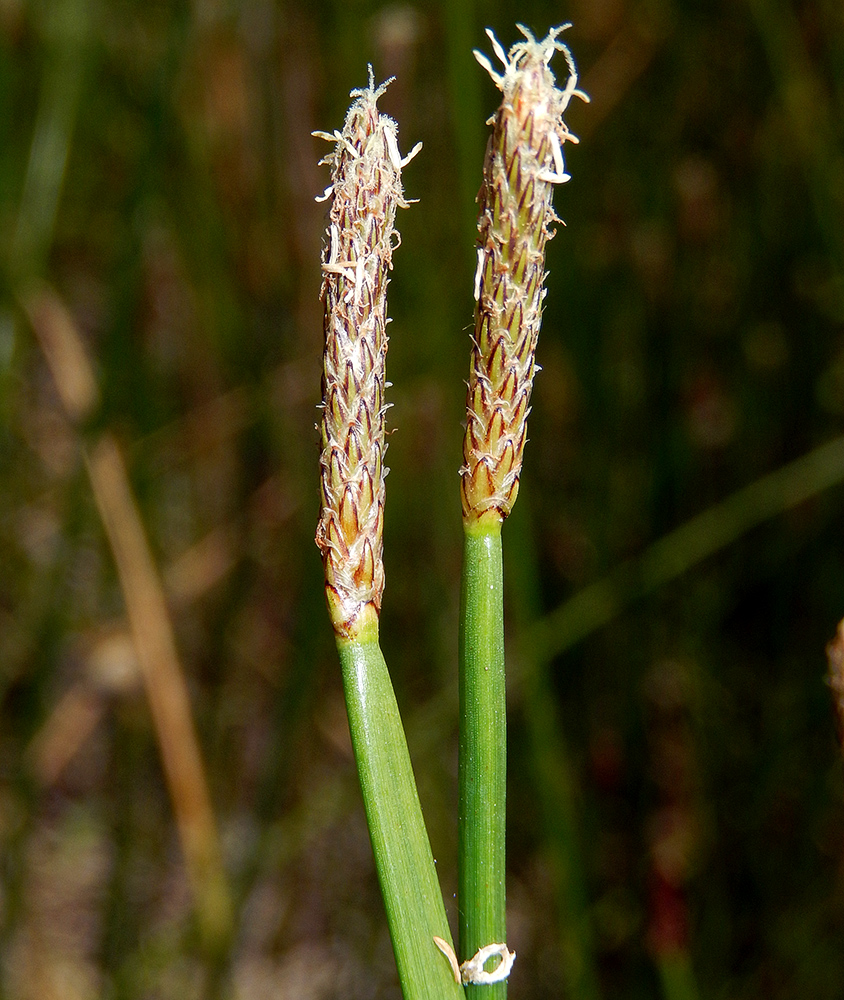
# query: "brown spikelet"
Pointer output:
{"type": "Point", "coordinates": [523, 163]}
{"type": "Point", "coordinates": [365, 190]}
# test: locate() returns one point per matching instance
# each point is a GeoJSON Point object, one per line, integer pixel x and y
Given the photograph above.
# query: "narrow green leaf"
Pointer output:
{"type": "Point", "coordinates": [403, 858]}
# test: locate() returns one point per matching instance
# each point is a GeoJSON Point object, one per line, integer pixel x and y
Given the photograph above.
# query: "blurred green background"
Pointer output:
{"type": "Point", "coordinates": [675, 815]}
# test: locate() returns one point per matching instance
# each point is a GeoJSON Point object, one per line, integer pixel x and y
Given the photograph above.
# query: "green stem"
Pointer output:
{"type": "Point", "coordinates": [678, 978]}
{"type": "Point", "coordinates": [66, 28]}
{"type": "Point", "coordinates": [406, 871]}
{"type": "Point", "coordinates": [483, 750]}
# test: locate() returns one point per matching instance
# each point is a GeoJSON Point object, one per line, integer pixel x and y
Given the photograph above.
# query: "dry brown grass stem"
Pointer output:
{"type": "Point", "coordinates": [149, 620]}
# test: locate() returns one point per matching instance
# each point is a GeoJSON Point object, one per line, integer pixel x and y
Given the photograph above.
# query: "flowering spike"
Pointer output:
{"type": "Point", "coordinates": [524, 160]}
{"type": "Point", "coordinates": [365, 189]}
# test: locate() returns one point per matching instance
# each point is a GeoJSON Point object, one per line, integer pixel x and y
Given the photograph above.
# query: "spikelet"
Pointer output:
{"type": "Point", "coordinates": [365, 190]}
{"type": "Point", "coordinates": [523, 162]}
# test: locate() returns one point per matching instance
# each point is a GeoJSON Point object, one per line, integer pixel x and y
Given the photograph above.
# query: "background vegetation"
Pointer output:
{"type": "Point", "coordinates": [675, 782]}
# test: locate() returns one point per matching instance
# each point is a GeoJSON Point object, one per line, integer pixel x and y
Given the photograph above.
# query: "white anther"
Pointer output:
{"type": "Point", "coordinates": [411, 154]}
{"type": "Point", "coordinates": [558, 175]}
{"type": "Point", "coordinates": [326, 194]}
{"type": "Point", "coordinates": [332, 265]}
{"type": "Point", "coordinates": [552, 178]}
{"type": "Point", "coordinates": [558, 154]}
{"type": "Point", "coordinates": [344, 267]}
{"type": "Point", "coordinates": [393, 147]}
{"type": "Point", "coordinates": [479, 270]}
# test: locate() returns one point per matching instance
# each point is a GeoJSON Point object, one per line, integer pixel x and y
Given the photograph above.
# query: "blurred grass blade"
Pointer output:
{"type": "Point", "coordinates": [811, 120]}
{"type": "Point", "coordinates": [66, 27]}
{"type": "Point", "coordinates": [553, 775]}
{"type": "Point", "coordinates": [152, 631]}
{"type": "Point", "coordinates": [594, 607]}
{"type": "Point", "coordinates": [684, 547]}
{"type": "Point", "coordinates": [466, 105]}
{"type": "Point", "coordinates": [677, 976]}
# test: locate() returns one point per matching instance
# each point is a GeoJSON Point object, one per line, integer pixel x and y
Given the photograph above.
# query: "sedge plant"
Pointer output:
{"type": "Point", "coordinates": [523, 163]}
{"type": "Point", "coordinates": [365, 192]}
